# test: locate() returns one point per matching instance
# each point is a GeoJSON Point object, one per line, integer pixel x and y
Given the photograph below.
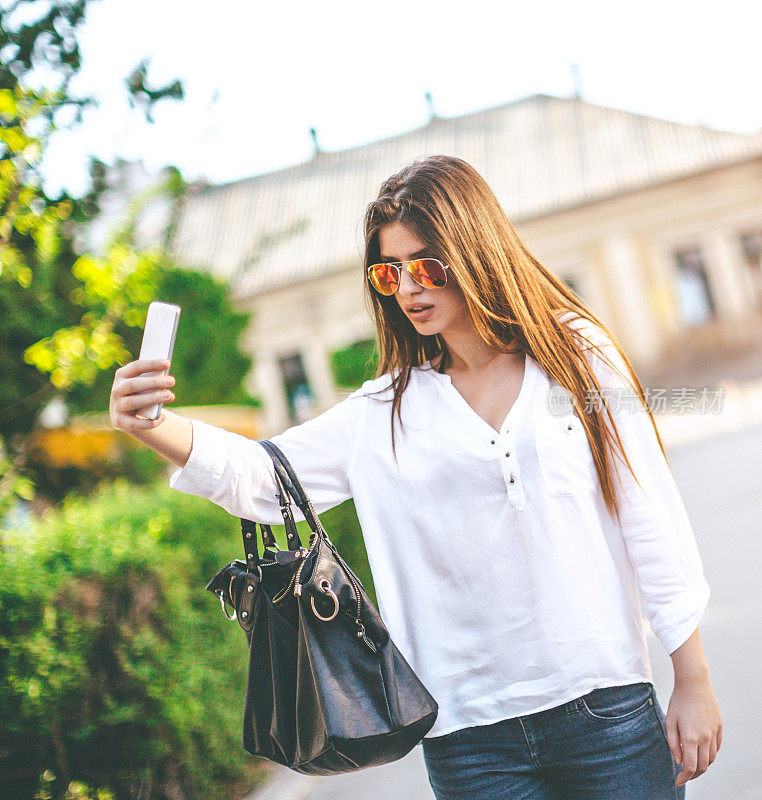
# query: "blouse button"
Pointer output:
{"type": "Point", "coordinates": [492, 442]}
{"type": "Point", "coordinates": [511, 481]}
{"type": "Point", "coordinates": [507, 454]}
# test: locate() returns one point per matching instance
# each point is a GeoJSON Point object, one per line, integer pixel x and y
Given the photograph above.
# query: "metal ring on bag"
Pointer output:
{"type": "Point", "coordinates": [326, 587]}
{"type": "Point", "coordinates": [224, 610]}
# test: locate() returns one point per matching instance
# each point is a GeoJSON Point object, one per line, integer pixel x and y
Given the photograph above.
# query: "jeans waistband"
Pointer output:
{"type": "Point", "coordinates": [573, 705]}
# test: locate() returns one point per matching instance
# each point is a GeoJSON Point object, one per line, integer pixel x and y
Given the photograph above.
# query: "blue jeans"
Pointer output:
{"type": "Point", "coordinates": [609, 744]}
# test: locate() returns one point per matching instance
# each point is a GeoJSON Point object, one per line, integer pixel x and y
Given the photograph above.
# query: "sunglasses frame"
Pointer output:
{"type": "Point", "coordinates": [406, 265]}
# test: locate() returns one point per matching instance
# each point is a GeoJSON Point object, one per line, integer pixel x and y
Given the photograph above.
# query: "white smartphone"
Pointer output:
{"type": "Point", "coordinates": [158, 342]}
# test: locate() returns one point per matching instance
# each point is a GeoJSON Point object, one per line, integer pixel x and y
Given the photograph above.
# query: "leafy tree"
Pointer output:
{"type": "Point", "coordinates": [33, 289]}
{"type": "Point", "coordinates": [115, 291]}
{"type": "Point", "coordinates": [75, 318]}
{"type": "Point", "coordinates": [207, 363]}
{"type": "Point", "coordinates": [47, 292]}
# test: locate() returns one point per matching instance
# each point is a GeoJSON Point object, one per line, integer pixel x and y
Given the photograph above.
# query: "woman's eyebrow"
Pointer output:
{"type": "Point", "coordinates": [414, 255]}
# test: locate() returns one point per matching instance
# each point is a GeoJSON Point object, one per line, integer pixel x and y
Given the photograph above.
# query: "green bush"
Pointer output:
{"type": "Point", "coordinates": [354, 364]}
{"type": "Point", "coordinates": [117, 668]}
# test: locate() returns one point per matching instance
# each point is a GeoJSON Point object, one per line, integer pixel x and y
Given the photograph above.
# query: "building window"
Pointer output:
{"type": "Point", "coordinates": [299, 395]}
{"type": "Point", "coordinates": [751, 245]}
{"type": "Point", "coordinates": [694, 294]}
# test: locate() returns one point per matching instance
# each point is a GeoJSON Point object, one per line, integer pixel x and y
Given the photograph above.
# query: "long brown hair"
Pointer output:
{"type": "Point", "coordinates": [513, 300]}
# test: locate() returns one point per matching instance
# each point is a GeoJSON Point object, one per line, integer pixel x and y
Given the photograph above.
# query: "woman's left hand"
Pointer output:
{"type": "Point", "coordinates": [694, 726]}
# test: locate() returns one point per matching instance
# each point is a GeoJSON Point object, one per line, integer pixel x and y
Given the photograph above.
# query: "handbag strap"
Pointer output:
{"type": "Point", "coordinates": [249, 533]}
{"type": "Point", "coordinates": [284, 488]}
{"type": "Point", "coordinates": [286, 472]}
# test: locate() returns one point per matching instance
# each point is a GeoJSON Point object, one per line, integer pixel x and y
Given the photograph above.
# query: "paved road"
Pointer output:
{"type": "Point", "coordinates": [720, 479]}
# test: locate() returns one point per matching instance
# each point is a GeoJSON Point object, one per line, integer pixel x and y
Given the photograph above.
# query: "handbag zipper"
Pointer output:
{"type": "Point", "coordinates": [298, 586]}
{"type": "Point", "coordinates": [358, 621]}
{"type": "Point", "coordinates": [281, 596]}
{"type": "Point", "coordinates": [349, 575]}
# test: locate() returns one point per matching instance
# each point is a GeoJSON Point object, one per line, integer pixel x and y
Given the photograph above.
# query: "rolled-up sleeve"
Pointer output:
{"type": "Point", "coordinates": [237, 473]}
{"type": "Point", "coordinates": [654, 522]}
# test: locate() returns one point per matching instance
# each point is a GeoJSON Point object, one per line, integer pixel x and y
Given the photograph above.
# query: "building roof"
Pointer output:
{"type": "Point", "coordinates": [540, 154]}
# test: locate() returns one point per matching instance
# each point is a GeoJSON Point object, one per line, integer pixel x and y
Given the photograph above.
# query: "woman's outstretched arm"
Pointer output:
{"type": "Point", "coordinates": [235, 472]}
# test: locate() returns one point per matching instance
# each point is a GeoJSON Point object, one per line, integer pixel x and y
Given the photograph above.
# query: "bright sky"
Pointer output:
{"type": "Point", "coordinates": [258, 76]}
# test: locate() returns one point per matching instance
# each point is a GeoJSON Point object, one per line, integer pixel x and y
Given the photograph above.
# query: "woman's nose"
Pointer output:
{"type": "Point", "coordinates": [407, 284]}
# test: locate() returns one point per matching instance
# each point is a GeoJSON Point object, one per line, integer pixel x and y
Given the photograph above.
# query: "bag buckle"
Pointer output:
{"type": "Point", "coordinates": [326, 587]}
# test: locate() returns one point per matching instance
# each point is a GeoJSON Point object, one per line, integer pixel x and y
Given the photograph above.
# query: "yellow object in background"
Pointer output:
{"type": "Point", "coordinates": [89, 439]}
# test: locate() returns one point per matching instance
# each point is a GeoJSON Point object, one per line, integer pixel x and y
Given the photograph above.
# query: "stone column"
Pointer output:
{"type": "Point", "coordinates": [624, 273]}
{"type": "Point", "coordinates": [268, 385]}
{"type": "Point", "coordinates": [318, 368]}
{"type": "Point", "coordinates": [725, 272]}
{"type": "Point", "coordinates": [663, 293]}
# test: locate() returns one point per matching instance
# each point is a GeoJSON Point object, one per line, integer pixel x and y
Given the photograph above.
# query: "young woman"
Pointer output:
{"type": "Point", "coordinates": [515, 501]}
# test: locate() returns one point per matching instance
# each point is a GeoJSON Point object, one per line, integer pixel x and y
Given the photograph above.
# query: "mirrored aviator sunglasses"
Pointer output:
{"type": "Point", "coordinates": [427, 272]}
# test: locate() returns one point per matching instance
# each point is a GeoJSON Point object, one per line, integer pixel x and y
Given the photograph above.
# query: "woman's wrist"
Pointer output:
{"type": "Point", "coordinates": [689, 662]}
{"type": "Point", "coordinates": [173, 438]}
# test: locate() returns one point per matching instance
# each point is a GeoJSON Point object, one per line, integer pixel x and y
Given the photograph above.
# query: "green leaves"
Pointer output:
{"type": "Point", "coordinates": [12, 486]}
{"type": "Point", "coordinates": [117, 287]}
{"type": "Point", "coordinates": [111, 647]}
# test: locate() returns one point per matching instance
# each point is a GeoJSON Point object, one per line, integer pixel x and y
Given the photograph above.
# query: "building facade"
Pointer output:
{"type": "Point", "coordinates": [656, 225]}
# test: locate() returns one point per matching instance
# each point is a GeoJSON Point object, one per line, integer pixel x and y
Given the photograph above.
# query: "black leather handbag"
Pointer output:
{"type": "Point", "coordinates": [327, 691]}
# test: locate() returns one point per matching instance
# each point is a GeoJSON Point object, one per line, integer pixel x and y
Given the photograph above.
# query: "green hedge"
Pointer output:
{"type": "Point", "coordinates": [117, 667]}
{"type": "Point", "coordinates": [118, 671]}
{"type": "Point", "coordinates": [354, 364]}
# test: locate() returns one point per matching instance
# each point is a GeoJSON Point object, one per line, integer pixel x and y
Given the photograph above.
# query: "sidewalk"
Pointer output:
{"type": "Point", "coordinates": [285, 784]}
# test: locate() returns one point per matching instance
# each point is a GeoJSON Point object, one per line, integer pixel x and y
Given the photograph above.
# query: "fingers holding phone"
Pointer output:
{"type": "Point", "coordinates": [141, 384]}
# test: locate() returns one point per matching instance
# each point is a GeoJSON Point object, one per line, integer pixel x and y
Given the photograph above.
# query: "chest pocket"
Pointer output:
{"type": "Point", "coordinates": [564, 455]}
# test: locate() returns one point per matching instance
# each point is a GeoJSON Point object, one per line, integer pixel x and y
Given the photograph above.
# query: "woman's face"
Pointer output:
{"type": "Point", "coordinates": [397, 243]}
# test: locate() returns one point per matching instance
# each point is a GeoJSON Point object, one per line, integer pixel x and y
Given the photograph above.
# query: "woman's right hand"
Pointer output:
{"type": "Point", "coordinates": [125, 400]}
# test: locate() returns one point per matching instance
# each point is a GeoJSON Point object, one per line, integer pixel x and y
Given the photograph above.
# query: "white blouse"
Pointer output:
{"type": "Point", "coordinates": [499, 573]}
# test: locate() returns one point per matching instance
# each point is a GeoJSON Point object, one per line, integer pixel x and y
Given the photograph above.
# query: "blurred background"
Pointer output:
{"type": "Point", "coordinates": [220, 156]}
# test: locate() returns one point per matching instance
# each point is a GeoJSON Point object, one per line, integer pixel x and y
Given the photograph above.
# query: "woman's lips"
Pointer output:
{"type": "Point", "coordinates": [421, 315]}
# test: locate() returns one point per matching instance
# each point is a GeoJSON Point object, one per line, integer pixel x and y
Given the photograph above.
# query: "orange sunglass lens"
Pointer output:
{"type": "Point", "coordinates": [429, 272]}
{"type": "Point", "coordinates": [384, 278]}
